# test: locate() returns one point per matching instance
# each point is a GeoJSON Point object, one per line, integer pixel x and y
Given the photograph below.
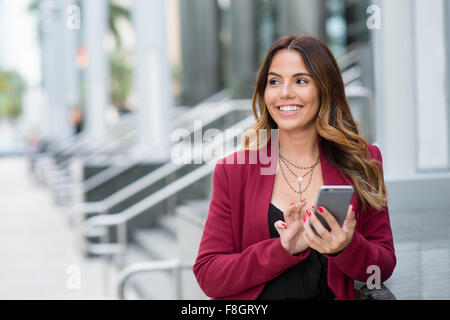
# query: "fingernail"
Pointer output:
{"type": "Point", "coordinates": [284, 225]}
{"type": "Point", "coordinates": [312, 207]}
{"type": "Point", "coordinates": [292, 203]}
{"type": "Point", "coordinates": [304, 218]}
{"type": "Point", "coordinates": [320, 209]}
{"type": "Point", "coordinates": [303, 200]}
{"type": "Point", "coordinates": [309, 213]}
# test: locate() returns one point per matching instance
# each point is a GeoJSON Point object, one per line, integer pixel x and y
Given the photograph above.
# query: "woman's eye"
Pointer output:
{"type": "Point", "coordinates": [302, 81]}
{"type": "Point", "coordinates": [273, 81]}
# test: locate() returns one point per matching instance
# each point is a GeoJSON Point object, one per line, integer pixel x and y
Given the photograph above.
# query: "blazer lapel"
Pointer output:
{"type": "Point", "coordinates": [261, 194]}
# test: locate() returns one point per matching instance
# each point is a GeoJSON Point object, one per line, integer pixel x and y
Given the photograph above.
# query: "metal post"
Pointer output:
{"type": "Point", "coordinates": [177, 281]}
{"type": "Point", "coordinates": [122, 239]}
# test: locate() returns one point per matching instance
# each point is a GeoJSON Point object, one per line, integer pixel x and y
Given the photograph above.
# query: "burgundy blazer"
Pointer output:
{"type": "Point", "coordinates": [237, 256]}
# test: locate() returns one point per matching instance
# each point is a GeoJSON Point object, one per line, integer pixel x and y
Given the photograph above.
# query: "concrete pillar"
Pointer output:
{"type": "Point", "coordinates": [301, 16]}
{"type": "Point", "coordinates": [95, 15]}
{"type": "Point", "coordinates": [3, 28]}
{"type": "Point", "coordinates": [447, 79]}
{"type": "Point", "coordinates": [70, 34]}
{"type": "Point", "coordinates": [244, 55]}
{"type": "Point", "coordinates": [396, 104]}
{"type": "Point", "coordinates": [152, 78]}
{"type": "Point", "coordinates": [200, 50]}
{"type": "Point", "coordinates": [52, 15]}
{"type": "Point", "coordinates": [411, 115]}
{"type": "Point", "coordinates": [430, 84]}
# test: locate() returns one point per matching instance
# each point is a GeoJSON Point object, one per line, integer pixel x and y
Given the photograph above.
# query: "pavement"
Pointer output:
{"type": "Point", "coordinates": [39, 256]}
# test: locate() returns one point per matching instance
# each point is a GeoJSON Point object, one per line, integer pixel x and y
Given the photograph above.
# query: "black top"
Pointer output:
{"type": "Point", "coordinates": [305, 280]}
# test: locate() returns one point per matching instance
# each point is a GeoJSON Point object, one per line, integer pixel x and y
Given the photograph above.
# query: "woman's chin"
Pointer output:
{"type": "Point", "coordinates": [295, 126]}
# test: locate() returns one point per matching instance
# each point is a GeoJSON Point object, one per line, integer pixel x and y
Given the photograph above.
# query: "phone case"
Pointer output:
{"type": "Point", "coordinates": [336, 200]}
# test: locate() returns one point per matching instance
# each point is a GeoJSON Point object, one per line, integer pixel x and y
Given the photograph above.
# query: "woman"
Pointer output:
{"type": "Point", "coordinates": [258, 241]}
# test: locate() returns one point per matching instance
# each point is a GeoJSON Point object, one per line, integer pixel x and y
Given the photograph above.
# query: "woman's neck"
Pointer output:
{"type": "Point", "coordinates": [299, 147]}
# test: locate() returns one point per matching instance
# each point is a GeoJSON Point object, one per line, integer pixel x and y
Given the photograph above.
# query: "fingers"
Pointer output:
{"type": "Point", "coordinates": [312, 220]}
{"type": "Point", "coordinates": [325, 241]}
{"type": "Point", "coordinates": [332, 222]}
{"type": "Point", "coordinates": [310, 237]}
{"type": "Point", "coordinates": [294, 212]}
{"type": "Point", "coordinates": [350, 220]}
{"type": "Point", "coordinates": [280, 226]}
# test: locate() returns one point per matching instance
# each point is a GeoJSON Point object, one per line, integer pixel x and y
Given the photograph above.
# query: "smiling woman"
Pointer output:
{"type": "Point", "coordinates": [258, 241]}
{"type": "Point", "coordinates": [300, 71]}
{"type": "Point", "coordinates": [291, 94]}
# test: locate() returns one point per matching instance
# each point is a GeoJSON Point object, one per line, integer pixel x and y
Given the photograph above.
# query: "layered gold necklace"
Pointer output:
{"type": "Point", "coordinates": [283, 161]}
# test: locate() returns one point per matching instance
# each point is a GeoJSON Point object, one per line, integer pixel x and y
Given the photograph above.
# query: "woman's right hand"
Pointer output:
{"type": "Point", "coordinates": [291, 230]}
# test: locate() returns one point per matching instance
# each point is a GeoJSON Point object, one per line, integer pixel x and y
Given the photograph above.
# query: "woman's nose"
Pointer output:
{"type": "Point", "coordinates": [287, 91]}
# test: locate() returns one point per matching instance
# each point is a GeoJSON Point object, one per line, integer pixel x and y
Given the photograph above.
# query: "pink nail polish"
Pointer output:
{"type": "Point", "coordinates": [304, 218]}
{"type": "Point", "coordinates": [284, 225]}
{"type": "Point", "coordinates": [320, 209]}
{"type": "Point", "coordinates": [309, 213]}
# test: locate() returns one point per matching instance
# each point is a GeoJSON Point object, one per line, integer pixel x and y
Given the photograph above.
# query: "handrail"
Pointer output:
{"type": "Point", "coordinates": [67, 144]}
{"type": "Point", "coordinates": [120, 219]}
{"type": "Point", "coordinates": [124, 122]}
{"type": "Point", "coordinates": [208, 112]}
{"type": "Point", "coordinates": [351, 74]}
{"type": "Point", "coordinates": [126, 192]}
{"type": "Point", "coordinates": [138, 185]}
{"type": "Point", "coordinates": [114, 219]}
{"type": "Point", "coordinates": [105, 176]}
{"type": "Point", "coordinates": [150, 266]}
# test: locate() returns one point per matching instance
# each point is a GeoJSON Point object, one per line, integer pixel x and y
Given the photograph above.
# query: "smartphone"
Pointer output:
{"type": "Point", "coordinates": [336, 200]}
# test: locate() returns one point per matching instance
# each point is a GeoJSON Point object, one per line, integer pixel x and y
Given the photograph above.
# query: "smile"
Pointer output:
{"type": "Point", "coordinates": [289, 109]}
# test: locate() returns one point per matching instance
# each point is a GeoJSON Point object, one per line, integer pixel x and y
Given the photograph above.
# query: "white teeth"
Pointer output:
{"type": "Point", "coordinates": [289, 108]}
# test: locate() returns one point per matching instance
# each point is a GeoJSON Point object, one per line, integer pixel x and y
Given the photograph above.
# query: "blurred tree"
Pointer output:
{"type": "Point", "coordinates": [121, 79]}
{"type": "Point", "coordinates": [12, 87]}
{"type": "Point", "coordinates": [117, 12]}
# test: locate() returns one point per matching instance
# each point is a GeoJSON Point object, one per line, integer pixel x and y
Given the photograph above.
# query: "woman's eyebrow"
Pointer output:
{"type": "Point", "coordinates": [293, 76]}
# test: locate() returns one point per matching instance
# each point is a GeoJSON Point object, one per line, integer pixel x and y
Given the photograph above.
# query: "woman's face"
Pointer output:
{"type": "Point", "coordinates": [291, 96]}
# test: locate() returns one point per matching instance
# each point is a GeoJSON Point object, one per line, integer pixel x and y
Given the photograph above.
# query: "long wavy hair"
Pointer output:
{"type": "Point", "coordinates": [341, 143]}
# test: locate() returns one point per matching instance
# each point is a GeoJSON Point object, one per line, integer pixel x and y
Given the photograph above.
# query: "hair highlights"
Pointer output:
{"type": "Point", "coordinates": [341, 143]}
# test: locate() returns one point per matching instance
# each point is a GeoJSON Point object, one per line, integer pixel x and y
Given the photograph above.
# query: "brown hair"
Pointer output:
{"type": "Point", "coordinates": [341, 143]}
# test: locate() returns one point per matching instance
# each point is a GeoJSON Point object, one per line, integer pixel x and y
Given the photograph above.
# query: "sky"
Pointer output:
{"type": "Point", "coordinates": [19, 48]}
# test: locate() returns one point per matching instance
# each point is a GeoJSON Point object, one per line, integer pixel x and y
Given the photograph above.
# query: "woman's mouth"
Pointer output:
{"type": "Point", "coordinates": [289, 109]}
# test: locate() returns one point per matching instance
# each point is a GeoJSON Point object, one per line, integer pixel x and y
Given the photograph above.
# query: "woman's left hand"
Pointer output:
{"type": "Point", "coordinates": [333, 241]}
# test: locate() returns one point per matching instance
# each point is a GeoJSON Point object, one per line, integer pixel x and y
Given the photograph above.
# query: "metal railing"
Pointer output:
{"type": "Point", "coordinates": [144, 182]}
{"type": "Point", "coordinates": [174, 265]}
{"type": "Point", "coordinates": [119, 220]}
{"type": "Point", "coordinates": [205, 111]}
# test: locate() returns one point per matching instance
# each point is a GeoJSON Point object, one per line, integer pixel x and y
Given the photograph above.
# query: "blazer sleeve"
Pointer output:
{"type": "Point", "coordinates": [221, 268]}
{"type": "Point", "coordinates": [373, 246]}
